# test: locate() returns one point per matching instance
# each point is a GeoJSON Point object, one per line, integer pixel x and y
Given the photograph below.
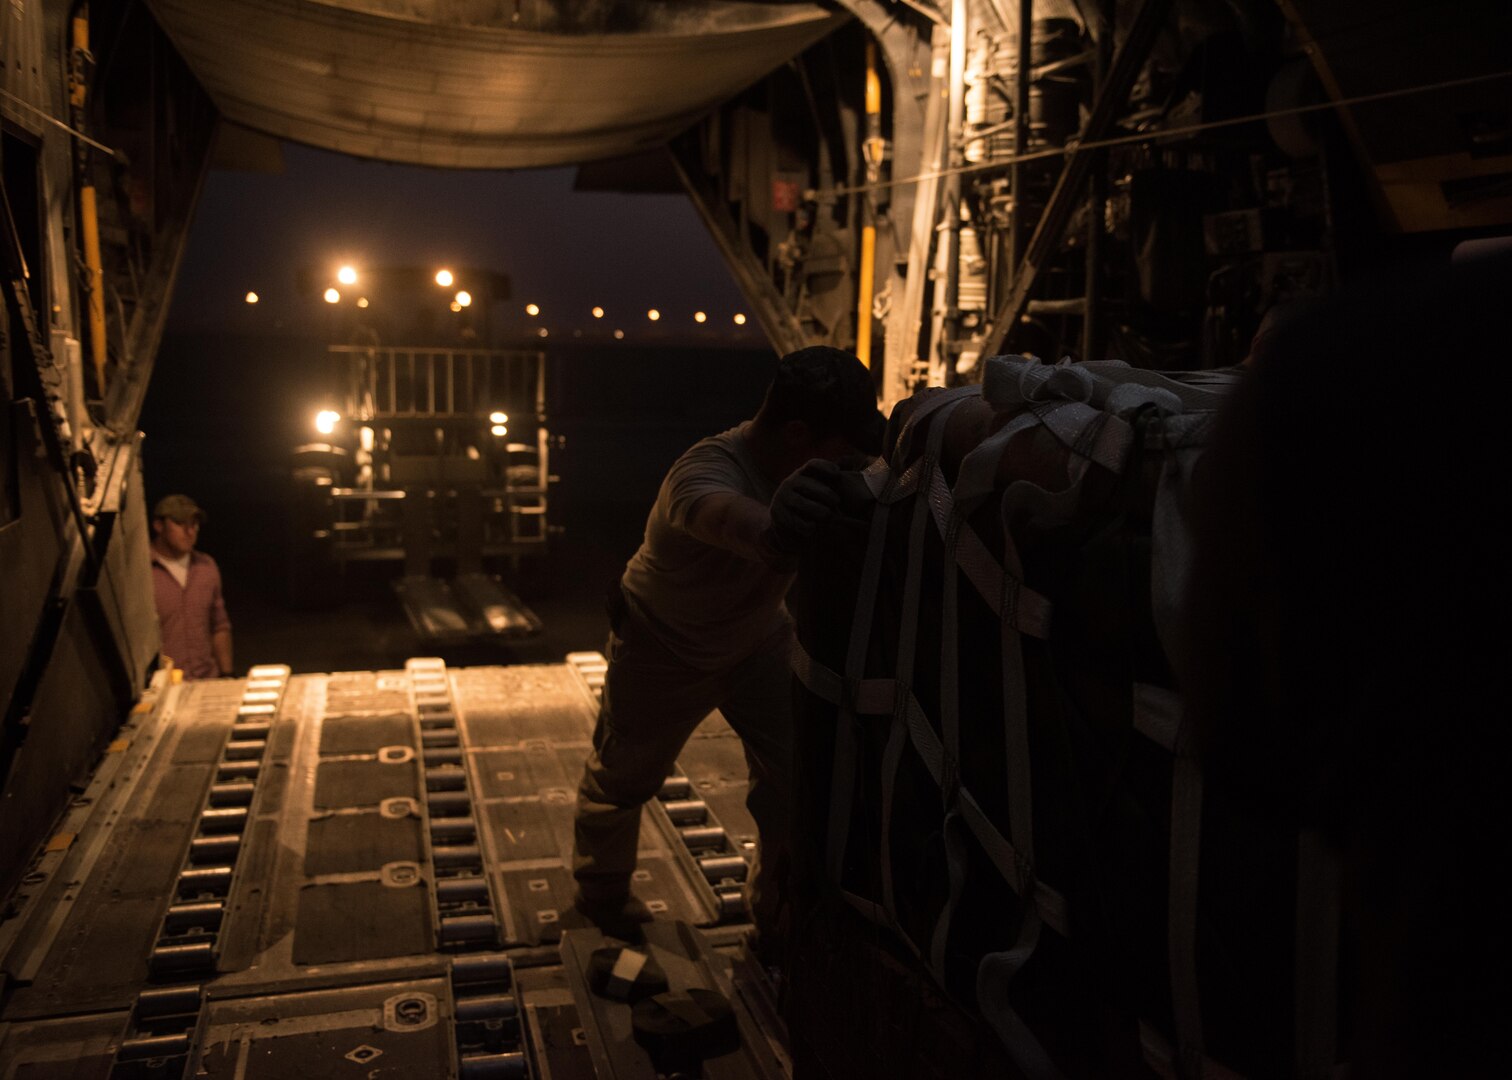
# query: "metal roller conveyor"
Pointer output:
{"type": "Point", "coordinates": [339, 890]}
{"type": "Point", "coordinates": [704, 838]}
{"type": "Point", "coordinates": [511, 1066]}
{"type": "Point", "coordinates": [444, 777]}
{"type": "Point", "coordinates": [232, 793]}
{"type": "Point", "coordinates": [198, 915]}
{"type": "Point", "coordinates": [461, 890]}
{"type": "Point", "coordinates": [722, 868]}
{"type": "Point", "coordinates": [684, 812]}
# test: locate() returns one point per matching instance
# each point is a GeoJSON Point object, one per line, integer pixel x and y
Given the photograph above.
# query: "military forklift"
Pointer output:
{"type": "Point", "coordinates": [432, 457]}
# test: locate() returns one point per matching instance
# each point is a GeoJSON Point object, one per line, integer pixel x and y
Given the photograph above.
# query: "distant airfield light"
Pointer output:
{"type": "Point", "coordinates": [332, 296]}
{"type": "Point", "coordinates": [619, 335]}
{"type": "Point", "coordinates": [739, 319]}
{"type": "Point", "coordinates": [699, 316]}
{"type": "Point", "coordinates": [499, 430]}
{"type": "Point", "coordinates": [252, 298]}
{"type": "Point", "coordinates": [653, 314]}
{"type": "Point", "coordinates": [543, 332]}
{"type": "Point", "coordinates": [456, 305]}
{"type": "Point", "coordinates": [347, 275]}
{"type": "Point", "coordinates": [326, 421]}
{"type": "Point", "coordinates": [497, 417]}
{"type": "Point", "coordinates": [362, 301]}
{"type": "Point", "coordinates": [464, 297]}
{"type": "Point", "coordinates": [444, 278]}
{"type": "Point", "coordinates": [532, 309]}
{"type": "Point", "coordinates": [598, 313]}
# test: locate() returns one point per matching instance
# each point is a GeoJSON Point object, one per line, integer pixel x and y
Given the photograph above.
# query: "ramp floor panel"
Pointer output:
{"type": "Point", "coordinates": [332, 910]}
{"type": "Point", "coordinates": [362, 841]}
{"type": "Point", "coordinates": [78, 1048]}
{"type": "Point", "coordinates": [388, 1031]}
{"type": "Point", "coordinates": [364, 734]}
{"type": "Point", "coordinates": [362, 783]}
{"type": "Point", "coordinates": [361, 921]}
{"type": "Point", "coordinates": [98, 958]}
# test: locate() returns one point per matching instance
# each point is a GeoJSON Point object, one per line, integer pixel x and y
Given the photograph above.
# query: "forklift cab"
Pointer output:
{"type": "Point", "coordinates": [437, 459]}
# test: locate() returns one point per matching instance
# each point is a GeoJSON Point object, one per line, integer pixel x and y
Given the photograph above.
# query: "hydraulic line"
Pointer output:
{"type": "Point", "coordinates": [872, 152]}
{"type": "Point", "coordinates": [89, 219]}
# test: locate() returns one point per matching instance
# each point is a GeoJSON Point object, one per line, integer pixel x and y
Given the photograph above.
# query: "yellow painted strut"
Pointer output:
{"type": "Point", "coordinates": [89, 218]}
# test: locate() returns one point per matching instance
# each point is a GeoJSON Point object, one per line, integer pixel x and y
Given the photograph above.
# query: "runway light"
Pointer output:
{"type": "Point", "coordinates": [531, 309]}
{"type": "Point", "coordinates": [464, 297]}
{"type": "Point", "coordinates": [347, 275]}
{"type": "Point", "coordinates": [499, 430]}
{"type": "Point", "coordinates": [332, 296]}
{"type": "Point", "coordinates": [619, 335]}
{"type": "Point", "coordinates": [252, 298]}
{"type": "Point", "coordinates": [362, 301]}
{"type": "Point", "coordinates": [543, 332]}
{"type": "Point", "coordinates": [598, 313]}
{"type": "Point", "coordinates": [699, 316]}
{"type": "Point", "coordinates": [326, 421]}
{"type": "Point", "coordinates": [444, 278]}
{"type": "Point", "coordinates": [497, 417]}
{"type": "Point", "coordinates": [653, 314]}
{"type": "Point", "coordinates": [455, 306]}
{"type": "Point", "coordinates": [739, 319]}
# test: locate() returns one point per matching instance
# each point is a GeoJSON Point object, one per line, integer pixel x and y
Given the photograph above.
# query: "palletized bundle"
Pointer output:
{"type": "Point", "coordinates": [992, 740]}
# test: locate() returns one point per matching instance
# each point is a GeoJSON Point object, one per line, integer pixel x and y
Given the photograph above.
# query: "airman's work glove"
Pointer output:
{"type": "Point", "coordinates": [803, 502]}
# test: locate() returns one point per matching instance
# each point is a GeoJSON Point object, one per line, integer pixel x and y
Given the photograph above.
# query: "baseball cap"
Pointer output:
{"type": "Point", "coordinates": [832, 391]}
{"type": "Point", "coordinates": [180, 508]}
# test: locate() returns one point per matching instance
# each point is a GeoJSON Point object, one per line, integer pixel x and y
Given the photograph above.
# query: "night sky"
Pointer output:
{"type": "Point", "coordinates": [565, 251]}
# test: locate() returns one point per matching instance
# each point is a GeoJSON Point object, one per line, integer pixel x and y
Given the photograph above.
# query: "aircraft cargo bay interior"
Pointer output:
{"type": "Point", "coordinates": [790, 539]}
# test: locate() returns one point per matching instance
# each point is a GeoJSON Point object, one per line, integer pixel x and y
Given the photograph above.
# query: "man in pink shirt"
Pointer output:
{"type": "Point", "coordinates": [187, 587]}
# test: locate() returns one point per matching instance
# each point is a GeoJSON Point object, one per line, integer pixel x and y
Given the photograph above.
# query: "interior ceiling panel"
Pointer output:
{"type": "Point", "coordinates": [465, 84]}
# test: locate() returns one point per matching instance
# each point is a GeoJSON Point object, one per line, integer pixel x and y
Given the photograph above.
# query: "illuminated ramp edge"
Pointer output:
{"type": "Point", "coordinates": [463, 85]}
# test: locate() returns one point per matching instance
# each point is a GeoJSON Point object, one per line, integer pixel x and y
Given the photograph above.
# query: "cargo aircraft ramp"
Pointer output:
{"type": "Point", "coordinates": [366, 874]}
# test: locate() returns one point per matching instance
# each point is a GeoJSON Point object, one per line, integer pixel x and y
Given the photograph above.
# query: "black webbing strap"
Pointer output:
{"type": "Point", "coordinates": [933, 493]}
{"type": "Point", "coordinates": [877, 697]}
{"type": "Point", "coordinates": [1181, 927]}
{"type": "Point", "coordinates": [843, 775]}
{"type": "Point", "coordinates": [843, 769]}
{"type": "Point", "coordinates": [908, 637]}
{"type": "Point", "coordinates": [1161, 1059]}
{"type": "Point", "coordinates": [1316, 966]}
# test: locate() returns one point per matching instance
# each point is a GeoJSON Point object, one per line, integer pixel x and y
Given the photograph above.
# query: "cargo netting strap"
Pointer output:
{"type": "Point", "coordinates": [1181, 911]}
{"type": "Point", "coordinates": [1316, 974]}
{"type": "Point", "coordinates": [1165, 1063]}
{"type": "Point", "coordinates": [879, 697]}
{"type": "Point", "coordinates": [1023, 610]}
{"type": "Point", "coordinates": [1157, 715]}
{"type": "Point", "coordinates": [1084, 408]}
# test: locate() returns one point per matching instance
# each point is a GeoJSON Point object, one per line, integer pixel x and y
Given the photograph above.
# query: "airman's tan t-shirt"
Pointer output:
{"type": "Point", "coordinates": [707, 605]}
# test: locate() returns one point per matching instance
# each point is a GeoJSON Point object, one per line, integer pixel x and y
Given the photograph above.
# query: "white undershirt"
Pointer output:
{"type": "Point", "coordinates": [179, 568]}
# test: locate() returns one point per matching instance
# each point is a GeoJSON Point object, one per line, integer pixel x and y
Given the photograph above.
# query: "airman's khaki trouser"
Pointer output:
{"type": "Point", "coordinates": [652, 703]}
